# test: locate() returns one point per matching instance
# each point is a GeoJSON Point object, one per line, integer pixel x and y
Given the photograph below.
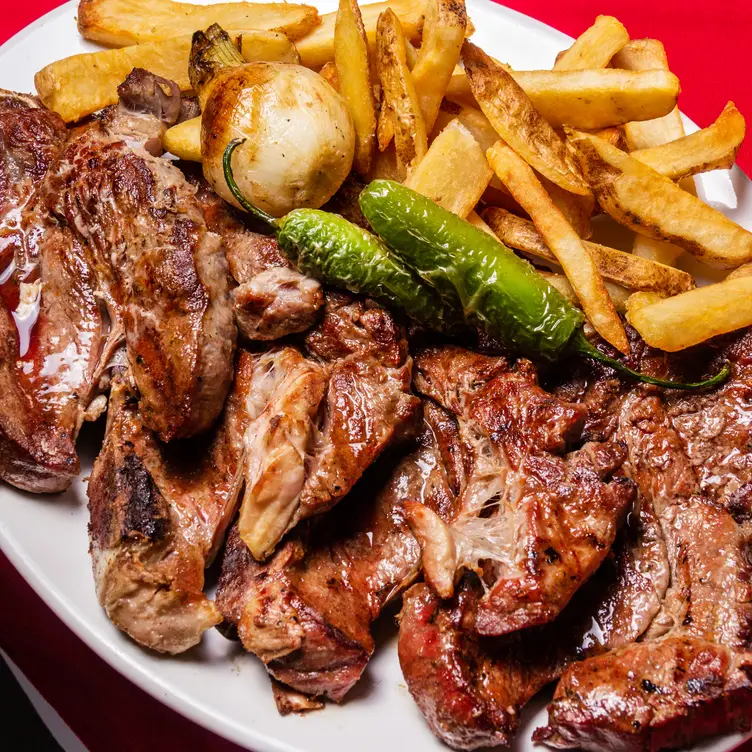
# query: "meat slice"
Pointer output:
{"type": "Point", "coordinates": [691, 676]}
{"type": "Point", "coordinates": [535, 518]}
{"type": "Point", "coordinates": [52, 331]}
{"type": "Point", "coordinates": [162, 272]}
{"type": "Point", "coordinates": [307, 612]}
{"type": "Point", "coordinates": [272, 298]}
{"type": "Point", "coordinates": [320, 421]}
{"type": "Point", "coordinates": [158, 514]}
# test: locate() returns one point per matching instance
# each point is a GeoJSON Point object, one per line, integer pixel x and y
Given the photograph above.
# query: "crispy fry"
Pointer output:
{"type": "Point", "coordinates": [693, 317]}
{"type": "Point", "coordinates": [385, 126]}
{"type": "Point", "coordinates": [563, 241]}
{"type": "Point", "coordinates": [400, 96]}
{"type": "Point", "coordinates": [330, 75]}
{"type": "Point", "coordinates": [517, 122]}
{"type": "Point", "coordinates": [619, 295]}
{"type": "Point", "coordinates": [119, 23]}
{"type": "Point", "coordinates": [443, 34]}
{"type": "Point", "coordinates": [79, 85]}
{"type": "Point", "coordinates": [354, 76]}
{"type": "Point", "coordinates": [577, 210]}
{"type": "Point", "coordinates": [184, 140]}
{"type": "Point", "coordinates": [629, 271]}
{"type": "Point", "coordinates": [590, 99]}
{"type": "Point", "coordinates": [474, 219]}
{"type": "Point", "coordinates": [317, 48]}
{"type": "Point", "coordinates": [639, 198]}
{"type": "Point", "coordinates": [641, 299]}
{"type": "Point", "coordinates": [595, 47]}
{"type": "Point", "coordinates": [454, 173]}
{"type": "Point", "coordinates": [743, 271]}
{"type": "Point", "coordinates": [384, 165]}
{"type": "Point", "coordinates": [712, 148]}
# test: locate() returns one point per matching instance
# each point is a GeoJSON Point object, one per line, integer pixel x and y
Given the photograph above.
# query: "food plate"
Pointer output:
{"type": "Point", "coordinates": [216, 684]}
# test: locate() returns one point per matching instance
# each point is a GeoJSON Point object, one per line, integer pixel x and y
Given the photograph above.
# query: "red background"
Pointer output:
{"type": "Point", "coordinates": [708, 48]}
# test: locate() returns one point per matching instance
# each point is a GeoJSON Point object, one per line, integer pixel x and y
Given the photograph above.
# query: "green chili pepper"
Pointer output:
{"type": "Point", "coordinates": [497, 290]}
{"type": "Point", "coordinates": [337, 252]}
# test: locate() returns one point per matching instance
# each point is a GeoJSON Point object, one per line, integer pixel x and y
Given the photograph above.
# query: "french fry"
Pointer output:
{"type": "Point", "coordinates": [330, 75]}
{"type": "Point", "coordinates": [712, 148]}
{"type": "Point", "coordinates": [384, 166]}
{"type": "Point", "coordinates": [354, 77]}
{"type": "Point", "coordinates": [317, 48]}
{"type": "Point", "coordinates": [643, 55]}
{"type": "Point", "coordinates": [400, 96]}
{"type": "Point", "coordinates": [590, 99]}
{"type": "Point", "coordinates": [619, 295]}
{"type": "Point", "coordinates": [474, 219]}
{"type": "Point", "coordinates": [631, 272]}
{"type": "Point", "coordinates": [443, 34]}
{"type": "Point", "coordinates": [120, 23]}
{"type": "Point", "coordinates": [517, 122]}
{"type": "Point", "coordinates": [639, 198]}
{"type": "Point", "coordinates": [184, 140]}
{"type": "Point", "coordinates": [595, 47]}
{"type": "Point", "coordinates": [385, 126]}
{"type": "Point", "coordinates": [743, 271]}
{"type": "Point", "coordinates": [693, 317]}
{"type": "Point", "coordinates": [454, 173]}
{"type": "Point", "coordinates": [79, 85]}
{"type": "Point", "coordinates": [641, 299]}
{"type": "Point", "coordinates": [563, 242]}
{"type": "Point", "coordinates": [577, 210]}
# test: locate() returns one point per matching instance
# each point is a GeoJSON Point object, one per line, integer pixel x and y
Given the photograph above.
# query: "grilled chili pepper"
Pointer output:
{"type": "Point", "coordinates": [337, 252]}
{"type": "Point", "coordinates": [496, 289]}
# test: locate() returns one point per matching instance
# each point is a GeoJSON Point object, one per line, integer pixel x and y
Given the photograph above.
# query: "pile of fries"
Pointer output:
{"type": "Point", "coordinates": [530, 156]}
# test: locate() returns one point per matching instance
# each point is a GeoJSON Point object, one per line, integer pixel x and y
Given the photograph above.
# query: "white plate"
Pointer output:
{"type": "Point", "coordinates": [216, 684]}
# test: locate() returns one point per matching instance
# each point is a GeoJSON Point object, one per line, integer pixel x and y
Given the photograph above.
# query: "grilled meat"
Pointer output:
{"type": "Point", "coordinates": [159, 513]}
{"type": "Point", "coordinates": [161, 271]}
{"type": "Point", "coordinates": [272, 299]}
{"type": "Point", "coordinates": [52, 331]}
{"type": "Point", "coordinates": [538, 519]}
{"type": "Point", "coordinates": [320, 421]}
{"type": "Point", "coordinates": [692, 674]}
{"type": "Point", "coordinates": [307, 612]}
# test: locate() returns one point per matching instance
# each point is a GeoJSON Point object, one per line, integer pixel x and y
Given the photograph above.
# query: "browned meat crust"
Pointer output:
{"type": "Point", "coordinates": [51, 328]}
{"type": "Point", "coordinates": [307, 613]}
{"type": "Point", "coordinates": [158, 515]}
{"type": "Point", "coordinates": [538, 517]}
{"type": "Point", "coordinates": [163, 273]}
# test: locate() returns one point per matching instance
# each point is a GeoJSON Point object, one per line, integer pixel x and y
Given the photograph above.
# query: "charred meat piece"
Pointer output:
{"type": "Point", "coordinates": [307, 612]}
{"type": "Point", "coordinates": [535, 518]}
{"type": "Point", "coordinates": [318, 422]}
{"type": "Point", "coordinates": [52, 331]}
{"type": "Point", "coordinates": [163, 273]}
{"type": "Point", "coordinates": [272, 299]}
{"type": "Point", "coordinates": [158, 514]}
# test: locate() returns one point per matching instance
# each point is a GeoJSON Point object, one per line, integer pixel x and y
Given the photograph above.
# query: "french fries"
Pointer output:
{"type": "Point", "coordinates": [619, 295]}
{"type": "Point", "coordinates": [625, 269]}
{"type": "Point", "coordinates": [712, 148]}
{"type": "Point", "coordinates": [443, 34]}
{"type": "Point", "coordinates": [563, 241]}
{"type": "Point", "coordinates": [639, 198]}
{"type": "Point", "coordinates": [595, 47]}
{"type": "Point", "coordinates": [184, 140]}
{"type": "Point", "coordinates": [354, 79]}
{"type": "Point", "coordinates": [454, 173]}
{"type": "Point", "coordinates": [639, 300]}
{"type": "Point", "coordinates": [743, 271]}
{"type": "Point", "coordinates": [577, 210]}
{"type": "Point", "coordinates": [120, 23]}
{"type": "Point", "coordinates": [517, 122]}
{"type": "Point", "coordinates": [400, 96]}
{"type": "Point", "coordinates": [330, 75]}
{"type": "Point", "coordinates": [693, 317]}
{"type": "Point", "coordinates": [317, 48]}
{"type": "Point", "coordinates": [79, 85]}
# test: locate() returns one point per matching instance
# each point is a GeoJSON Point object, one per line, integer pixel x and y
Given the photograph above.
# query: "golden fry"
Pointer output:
{"type": "Point", "coordinates": [443, 34]}
{"type": "Point", "coordinates": [400, 96]}
{"type": "Point", "coordinates": [563, 242]}
{"type": "Point", "coordinates": [184, 140]}
{"type": "Point", "coordinates": [517, 122]}
{"type": "Point", "coordinates": [646, 202]}
{"type": "Point", "coordinates": [577, 210]}
{"type": "Point", "coordinates": [743, 271]}
{"type": "Point", "coordinates": [354, 77]}
{"type": "Point", "coordinates": [619, 295]}
{"type": "Point", "coordinates": [712, 148]}
{"type": "Point", "coordinates": [629, 271]}
{"type": "Point", "coordinates": [330, 75]}
{"type": "Point", "coordinates": [693, 317]}
{"type": "Point", "coordinates": [454, 173]}
{"type": "Point", "coordinates": [641, 299]}
{"type": "Point", "coordinates": [119, 23]}
{"type": "Point", "coordinates": [595, 47]}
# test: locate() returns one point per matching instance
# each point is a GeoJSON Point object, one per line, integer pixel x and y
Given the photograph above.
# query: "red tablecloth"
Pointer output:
{"type": "Point", "coordinates": [707, 44]}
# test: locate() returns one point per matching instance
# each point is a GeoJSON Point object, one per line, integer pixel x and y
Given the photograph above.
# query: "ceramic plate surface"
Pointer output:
{"type": "Point", "coordinates": [215, 684]}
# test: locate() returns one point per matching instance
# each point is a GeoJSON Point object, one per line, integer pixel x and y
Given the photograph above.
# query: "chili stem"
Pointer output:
{"type": "Point", "coordinates": [254, 211]}
{"type": "Point", "coordinates": [580, 344]}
